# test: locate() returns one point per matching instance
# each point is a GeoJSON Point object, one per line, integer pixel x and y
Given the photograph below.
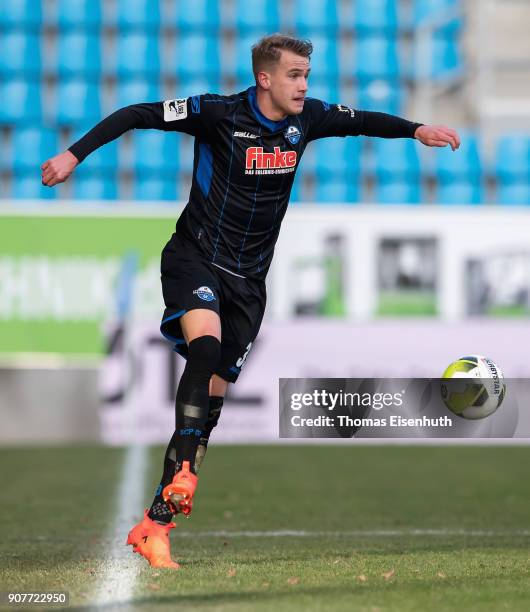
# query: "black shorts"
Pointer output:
{"type": "Point", "coordinates": [189, 281]}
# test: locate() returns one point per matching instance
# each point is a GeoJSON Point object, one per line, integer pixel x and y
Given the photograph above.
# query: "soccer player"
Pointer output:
{"type": "Point", "coordinates": [247, 149]}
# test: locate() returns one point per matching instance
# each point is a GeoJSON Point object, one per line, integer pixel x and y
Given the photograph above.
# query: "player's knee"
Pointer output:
{"type": "Point", "coordinates": [205, 352]}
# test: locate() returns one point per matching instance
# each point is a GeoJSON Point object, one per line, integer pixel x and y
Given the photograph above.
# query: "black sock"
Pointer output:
{"type": "Point", "coordinates": [159, 510]}
{"type": "Point", "coordinates": [193, 401]}
{"type": "Point", "coordinates": [214, 412]}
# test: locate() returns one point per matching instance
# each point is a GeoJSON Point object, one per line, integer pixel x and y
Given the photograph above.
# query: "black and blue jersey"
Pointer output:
{"type": "Point", "coordinates": [244, 165]}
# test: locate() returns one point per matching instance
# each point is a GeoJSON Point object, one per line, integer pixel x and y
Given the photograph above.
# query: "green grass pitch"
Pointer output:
{"type": "Point", "coordinates": [377, 528]}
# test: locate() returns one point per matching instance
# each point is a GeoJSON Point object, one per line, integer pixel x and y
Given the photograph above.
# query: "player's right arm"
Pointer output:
{"type": "Point", "coordinates": [196, 116]}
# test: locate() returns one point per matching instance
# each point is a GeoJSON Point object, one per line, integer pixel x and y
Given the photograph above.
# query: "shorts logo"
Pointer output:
{"type": "Point", "coordinates": [175, 109]}
{"type": "Point", "coordinates": [205, 293]}
{"type": "Point", "coordinates": [278, 162]}
{"type": "Point", "coordinates": [292, 134]}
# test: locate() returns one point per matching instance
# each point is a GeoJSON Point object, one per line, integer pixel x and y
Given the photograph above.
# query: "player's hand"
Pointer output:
{"type": "Point", "coordinates": [57, 169]}
{"type": "Point", "coordinates": [437, 136]}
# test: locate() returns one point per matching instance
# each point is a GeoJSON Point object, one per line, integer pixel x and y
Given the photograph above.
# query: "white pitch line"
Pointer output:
{"type": "Point", "coordinates": [378, 533]}
{"type": "Point", "coordinates": [121, 567]}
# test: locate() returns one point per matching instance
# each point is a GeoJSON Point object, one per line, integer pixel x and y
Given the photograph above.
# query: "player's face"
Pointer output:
{"type": "Point", "coordinates": [288, 83]}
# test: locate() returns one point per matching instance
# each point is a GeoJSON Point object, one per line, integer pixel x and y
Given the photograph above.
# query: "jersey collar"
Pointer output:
{"type": "Point", "coordinates": [272, 126]}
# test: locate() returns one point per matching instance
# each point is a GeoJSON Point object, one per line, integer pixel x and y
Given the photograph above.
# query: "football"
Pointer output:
{"type": "Point", "coordinates": [476, 389]}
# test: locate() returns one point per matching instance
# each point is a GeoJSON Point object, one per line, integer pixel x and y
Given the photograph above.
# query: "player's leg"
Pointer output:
{"type": "Point", "coordinates": [201, 329]}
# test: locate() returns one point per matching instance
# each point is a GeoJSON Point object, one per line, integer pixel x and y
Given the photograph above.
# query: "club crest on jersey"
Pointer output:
{"type": "Point", "coordinates": [257, 161]}
{"type": "Point", "coordinates": [292, 134]}
{"type": "Point", "coordinates": [205, 293]}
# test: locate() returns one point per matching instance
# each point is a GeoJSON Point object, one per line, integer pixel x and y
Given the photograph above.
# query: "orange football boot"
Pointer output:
{"type": "Point", "coordinates": [179, 494]}
{"type": "Point", "coordinates": [151, 540]}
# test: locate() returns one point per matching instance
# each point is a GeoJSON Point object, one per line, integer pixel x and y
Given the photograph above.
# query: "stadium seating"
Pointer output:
{"type": "Point", "coordinates": [459, 174]}
{"type": "Point", "coordinates": [28, 185]}
{"type": "Point", "coordinates": [377, 58]}
{"type": "Point", "coordinates": [376, 15]}
{"type": "Point", "coordinates": [382, 96]}
{"type": "Point", "coordinates": [20, 52]}
{"type": "Point", "coordinates": [20, 101]}
{"type": "Point", "coordinates": [31, 146]}
{"type": "Point", "coordinates": [135, 91]}
{"type": "Point", "coordinates": [163, 150]}
{"type": "Point", "coordinates": [88, 185]}
{"type": "Point", "coordinates": [139, 15]}
{"type": "Point", "coordinates": [137, 55]}
{"type": "Point", "coordinates": [67, 63]}
{"type": "Point", "coordinates": [81, 15]}
{"type": "Point", "coordinates": [77, 102]}
{"type": "Point", "coordinates": [195, 54]}
{"type": "Point", "coordinates": [312, 16]}
{"type": "Point", "coordinates": [257, 16]}
{"type": "Point", "coordinates": [512, 168]}
{"type": "Point", "coordinates": [25, 14]}
{"type": "Point", "coordinates": [156, 188]}
{"type": "Point", "coordinates": [199, 15]}
{"type": "Point", "coordinates": [78, 55]}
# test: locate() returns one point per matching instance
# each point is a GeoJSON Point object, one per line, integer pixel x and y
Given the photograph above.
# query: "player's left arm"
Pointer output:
{"type": "Point", "coordinates": [339, 120]}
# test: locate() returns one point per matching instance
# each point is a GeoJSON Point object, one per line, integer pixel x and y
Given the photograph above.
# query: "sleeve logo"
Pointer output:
{"type": "Point", "coordinates": [346, 109]}
{"type": "Point", "coordinates": [175, 109]}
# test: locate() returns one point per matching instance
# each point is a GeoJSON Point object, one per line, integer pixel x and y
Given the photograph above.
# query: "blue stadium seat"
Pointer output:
{"type": "Point", "coordinates": [326, 91]}
{"type": "Point", "coordinates": [196, 54]}
{"type": "Point", "coordinates": [313, 16]}
{"type": "Point", "coordinates": [382, 96]}
{"type": "Point", "coordinates": [195, 86]}
{"type": "Point", "coordinates": [376, 15]}
{"type": "Point", "coordinates": [77, 102]}
{"type": "Point", "coordinates": [464, 162]}
{"type": "Point", "coordinates": [104, 159]}
{"type": "Point", "coordinates": [199, 15]}
{"type": "Point", "coordinates": [459, 172]}
{"type": "Point", "coordinates": [27, 185]}
{"type": "Point", "coordinates": [460, 191]}
{"type": "Point", "coordinates": [376, 58]}
{"type": "Point", "coordinates": [139, 14]}
{"type": "Point", "coordinates": [78, 54]}
{"type": "Point", "coordinates": [296, 195]}
{"type": "Point", "coordinates": [513, 192]}
{"type": "Point", "coordinates": [138, 55]}
{"type": "Point", "coordinates": [82, 14]}
{"type": "Point", "coordinates": [337, 157]}
{"type": "Point", "coordinates": [19, 53]}
{"type": "Point", "coordinates": [260, 15]}
{"type": "Point", "coordinates": [337, 189]}
{"type": "Point", "coordinates": [162, 148]}
{"type": "Point", "coordinates": [397, 158]}
{"type": "Point", "coordinates": [512, 159]}
{"type": "Point", "coordinates": [424, 10]}
{"type": "Point", "coordinates": [20, 101]}
{"type": "Point", "coordinates": [88, 185]}
{"type": "Point", "coordinates": [20, 13]}
{"type": "Point", "coordinates": [512, 167]}
{"type": "Point", "coordinates": [31, 146]}
{"type": "Point", "coordinates": [135, 91]}
{"type": "Point", "coordinates": [446, 56]}
{"type": "Point", "coordinates": [243, 59]}
{"type": "Point", "coordinates": [398, 191]}
{"type": "Point", "coordinates": [155, 188]}
{"type": "Point", "coordinates": [325, 59]}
